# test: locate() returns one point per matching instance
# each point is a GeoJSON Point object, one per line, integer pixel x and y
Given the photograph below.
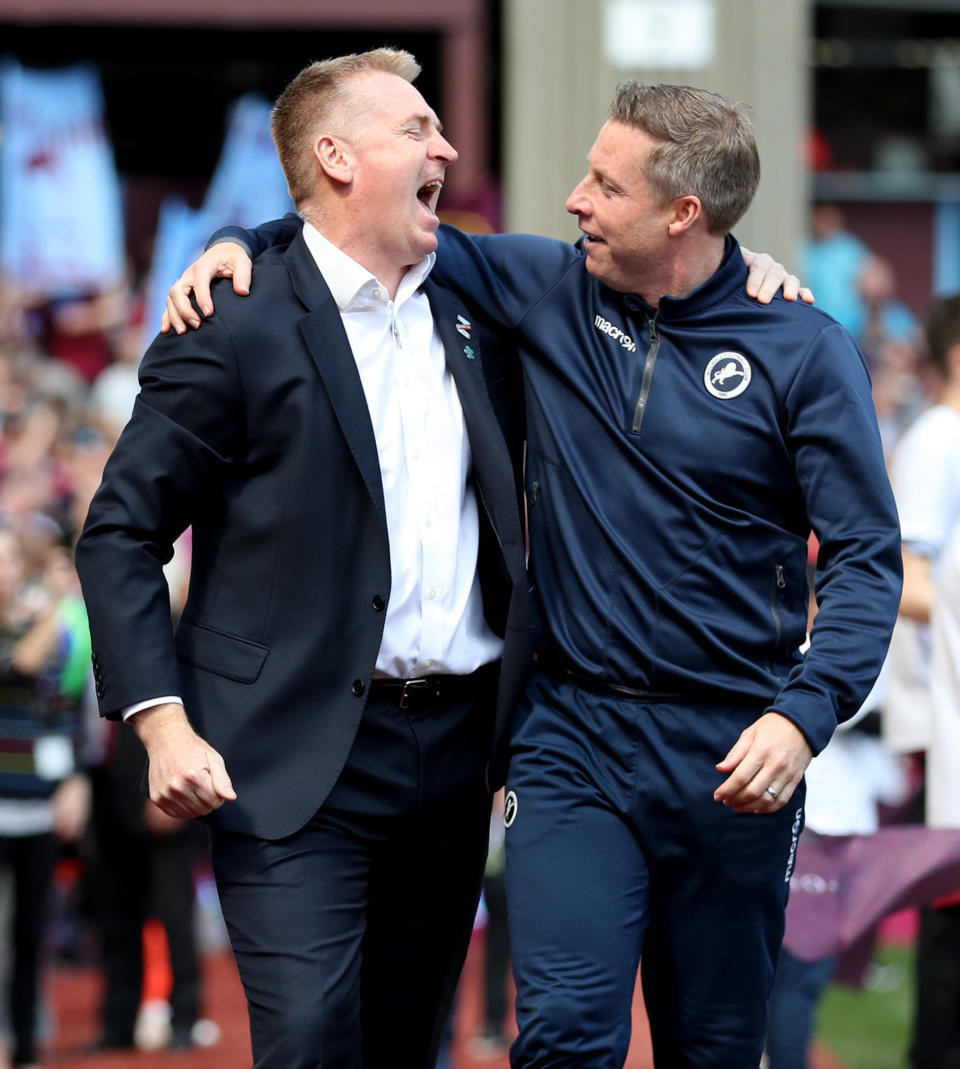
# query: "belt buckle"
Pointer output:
{"type": "Point", "coordinates": [407, 684]}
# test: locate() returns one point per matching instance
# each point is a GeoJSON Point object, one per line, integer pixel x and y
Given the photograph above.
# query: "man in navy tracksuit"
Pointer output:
{"type": "Point", "coordinates": [682, 442]}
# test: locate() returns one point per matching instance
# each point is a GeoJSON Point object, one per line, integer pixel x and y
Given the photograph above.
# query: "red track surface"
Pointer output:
{"type": "Point", "coordinates": [75, 994]}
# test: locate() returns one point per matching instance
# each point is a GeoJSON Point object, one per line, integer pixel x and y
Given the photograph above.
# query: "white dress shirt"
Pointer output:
{"type": "Point", "coordinates": [434, 622]}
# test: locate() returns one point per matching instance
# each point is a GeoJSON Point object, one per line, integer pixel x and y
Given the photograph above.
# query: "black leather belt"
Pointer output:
{"type": "Point", "coordinates": [424, 691]}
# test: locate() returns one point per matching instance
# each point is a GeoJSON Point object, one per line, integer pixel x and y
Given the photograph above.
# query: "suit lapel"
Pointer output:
{"type": "Point", "coordinates": [322, 330]}
{"type": "Point", "coordinates": [487, 445]}
{"type": "Point", "coordinates": [462, 350]}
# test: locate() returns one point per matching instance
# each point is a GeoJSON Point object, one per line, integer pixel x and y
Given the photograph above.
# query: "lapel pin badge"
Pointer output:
{"type": "Point", "coordinates": [464, 326]}
{"type": "Point", "coordinates": [470, 353]}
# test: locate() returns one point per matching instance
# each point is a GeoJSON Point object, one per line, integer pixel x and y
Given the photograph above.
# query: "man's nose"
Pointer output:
{"type": "Point", "coordinates": [443, 150]}
{"type": "Point", "coordinates": [575, 202]}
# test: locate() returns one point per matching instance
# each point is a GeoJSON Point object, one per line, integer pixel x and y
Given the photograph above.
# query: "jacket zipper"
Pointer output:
{"type": "Point", "coordinates": [646, 381]}
{"type": "Point", "coordinates": [779, 584]}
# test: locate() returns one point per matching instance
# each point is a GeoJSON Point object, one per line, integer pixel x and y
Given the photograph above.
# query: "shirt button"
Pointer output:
{"type": "Point", "coordinates": [378, 293]}
{"type": "Point", "coordinates": [378, 603]}
{"type": "Point", "coordinates": [428, 664]}
{"type": "Point", "coordinates": [432, 595]}
{"type": "Point", "coordinates": [429, 522]}
{"type": "Point", "coordinates": [358, 688]}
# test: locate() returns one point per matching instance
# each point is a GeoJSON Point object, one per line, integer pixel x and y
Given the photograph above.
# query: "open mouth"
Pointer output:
{"type": "Point", "coordinates": [590, 239]}
{"type": "Point", "coordinates": [429, 193]}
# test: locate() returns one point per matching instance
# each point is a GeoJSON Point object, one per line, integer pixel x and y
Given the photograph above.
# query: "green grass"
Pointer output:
{"type": "Point", "coordinates": [870, 1028]}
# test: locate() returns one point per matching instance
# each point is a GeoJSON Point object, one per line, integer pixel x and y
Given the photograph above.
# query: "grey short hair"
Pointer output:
{"type": "Point", "coordinates": [707, 148]}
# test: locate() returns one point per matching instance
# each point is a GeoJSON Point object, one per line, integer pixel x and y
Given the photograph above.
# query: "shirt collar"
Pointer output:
{"type": "Point", "coordinates": [345, 278]}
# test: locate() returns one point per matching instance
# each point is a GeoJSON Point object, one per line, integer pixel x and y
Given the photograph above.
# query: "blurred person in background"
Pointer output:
{"type": "Point", "coordinates": [78, 329]}
{"type": "Point", "coordinates": [926, 482]}
{"type": "Point", "coordinates": [832, 264]}
{"type": "Point", "coordinates": [44, 796]}
{"type": "Point", "coordinates": [938, 953]}
{"type": "Point", "coordinates": [886, 317]}
{"type": "Point", "coordinates": [846, 784]}
{"type": "Point", "coordinates": [142, 867]}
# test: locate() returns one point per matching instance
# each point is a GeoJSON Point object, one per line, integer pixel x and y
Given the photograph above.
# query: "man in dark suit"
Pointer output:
{"type": "Point", "coordinates": [345, 447]}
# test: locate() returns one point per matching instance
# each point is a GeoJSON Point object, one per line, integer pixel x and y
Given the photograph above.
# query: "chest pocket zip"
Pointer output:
{"type": "Point", "coordinates": [779, 585]}
{"type": "Point", "coordinates": [647, 380]}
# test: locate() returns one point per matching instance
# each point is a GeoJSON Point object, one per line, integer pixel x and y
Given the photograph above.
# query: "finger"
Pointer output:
{"type": "Point", "coordinates": [756, 796]}
{"type": "Point", "coordinates": [173, 317]}
{"type": "Point", "coordinates": [771, 283]}
{"type": "Point", "coordinates": [174, 311]}
{"type": "Point", "coordinates": [750, 801]}
{"type": "Point", "coordinates": [174, 807]}
{"type": "Point", "coordinates": [220, 780]}
{"type": "Point", "coordinates": [737, 781]}
{"type": "Point", "coordinates": [188, 794]}
{"type": "Point", "coordinates": [165, 322]}
{"type": "Point", "coordinates": [180, 295]}
{"type": "Point", "coordinates": [736, 754]}
{"type": "Point", "coordinates": [204, 793]}
{"type": "Point", "coordinates": [759, 269]}
{"type": "Point", "coordinates": [242, 274]}
{"type": "Point", "coordinates": [765, 803]}
{"type": "Point", "coordinates": [201, 291]}
{"type": "Point", "coordinates": [750, 797]}
{"type": "Point", "coordinates": [791, 287]}
{"type": "Point", "coordinates": [806, 294]}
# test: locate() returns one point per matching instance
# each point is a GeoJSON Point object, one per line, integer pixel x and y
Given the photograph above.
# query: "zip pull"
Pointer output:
{"type": "Point", "coordinates": [778, 572]}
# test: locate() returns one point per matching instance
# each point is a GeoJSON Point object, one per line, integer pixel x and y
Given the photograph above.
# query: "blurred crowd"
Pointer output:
{"type": "Point", "coordinates": [70, 783]}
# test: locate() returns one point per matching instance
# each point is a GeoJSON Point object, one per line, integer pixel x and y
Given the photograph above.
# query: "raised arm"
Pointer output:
{"type": "Point", "coordinates": [229, 254]}
{"type": "Point", "coordinates": [481, 269]}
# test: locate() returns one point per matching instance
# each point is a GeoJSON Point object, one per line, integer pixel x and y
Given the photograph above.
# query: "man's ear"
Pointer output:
{"type": "Point", "coordinates": [334, 158]}
{"type": "Point", "coordinates": [686, 211]}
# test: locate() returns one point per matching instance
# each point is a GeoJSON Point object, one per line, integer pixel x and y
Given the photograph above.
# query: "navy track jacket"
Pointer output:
{"type": "Point", "coordinates": [677, 460]}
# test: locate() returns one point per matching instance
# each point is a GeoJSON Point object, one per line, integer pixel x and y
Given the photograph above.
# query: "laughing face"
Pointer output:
{"type": "Point", "coordinates": [399, 160]}
{"type": "Point", "coordinates": [623, 218]}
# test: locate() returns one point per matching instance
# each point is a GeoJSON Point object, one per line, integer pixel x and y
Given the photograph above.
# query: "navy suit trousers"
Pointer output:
{"type": "Point", "coordinates": [350, 934]}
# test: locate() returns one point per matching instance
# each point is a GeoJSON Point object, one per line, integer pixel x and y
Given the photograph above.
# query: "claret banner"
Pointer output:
{"type": "Point", "coordinates": [61, 218]}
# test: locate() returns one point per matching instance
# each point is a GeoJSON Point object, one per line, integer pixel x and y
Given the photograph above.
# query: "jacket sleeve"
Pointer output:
{"type": "Point", "coordinates": [183, 437]}
{"type": "Point", "coordinates": [501, 276]}
{"type": "Point", "coordinates": [260, 238]}
{"type": "Point", "coordinates": [831, 429]}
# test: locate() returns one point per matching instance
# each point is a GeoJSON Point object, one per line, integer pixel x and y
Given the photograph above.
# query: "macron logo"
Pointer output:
{"type": "Point", "coordinates": [606, 327]}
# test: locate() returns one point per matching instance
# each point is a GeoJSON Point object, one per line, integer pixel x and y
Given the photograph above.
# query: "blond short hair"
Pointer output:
{"type": "Point", "coordinates": [312, 99]}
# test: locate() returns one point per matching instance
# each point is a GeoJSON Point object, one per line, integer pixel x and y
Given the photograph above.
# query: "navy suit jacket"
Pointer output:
{"type": "Point", "coordinates": [255, 430]}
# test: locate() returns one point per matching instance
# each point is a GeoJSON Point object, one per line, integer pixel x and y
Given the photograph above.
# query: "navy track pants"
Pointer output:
{"type": "Point", "coordinates": [616, 850]}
